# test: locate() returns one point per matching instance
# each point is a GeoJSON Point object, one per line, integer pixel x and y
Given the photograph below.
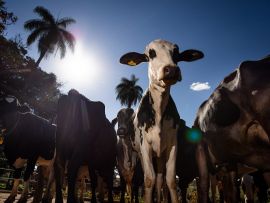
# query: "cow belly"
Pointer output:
{"type": "Point", "coordinates": [19, 163]}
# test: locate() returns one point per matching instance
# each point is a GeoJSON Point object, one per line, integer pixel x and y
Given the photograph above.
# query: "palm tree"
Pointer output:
{"type": "Point", "coordinates": [128, 92]}
{"type": "Point", "coordinates": [51, 33]}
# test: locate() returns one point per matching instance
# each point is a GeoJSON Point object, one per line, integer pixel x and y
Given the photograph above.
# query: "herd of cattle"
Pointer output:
{"type": "Point", "coordinates": [229, 138]}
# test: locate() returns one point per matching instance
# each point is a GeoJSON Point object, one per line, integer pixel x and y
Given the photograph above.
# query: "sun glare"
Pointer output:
{"type": "Point", "coordinates": [79, 69]}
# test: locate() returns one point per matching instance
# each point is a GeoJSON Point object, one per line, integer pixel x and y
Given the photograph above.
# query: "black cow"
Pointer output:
{"type": "Point", "coordinates": [186, 165]}
{"type": "Point", "coordinates": [235, 122]}
{"type": "Point", "coordinates": [84, 136]}
{"type": "Point", "coordinates": [28, 139]}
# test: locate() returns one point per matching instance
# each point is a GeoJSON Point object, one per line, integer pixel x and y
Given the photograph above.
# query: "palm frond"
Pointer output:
{"type": "Point", "coordinates": [68, 38]}
{"type": "Point", "coordinates": [45, 14]}
{"type": "Point", "coordinates": [34, 24]}
{"type": "Point", "coordinates": [64, 22]}
{"type": "Point", "coordinates": [35, 34]}
{"type": "Point", "coordinates": [62, 47]}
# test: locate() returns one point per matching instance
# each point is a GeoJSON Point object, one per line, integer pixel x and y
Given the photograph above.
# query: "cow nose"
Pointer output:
{"type": "Point", "coordinates": [121, 132]}
{"type": "Point", "coordinates": [171, 72]}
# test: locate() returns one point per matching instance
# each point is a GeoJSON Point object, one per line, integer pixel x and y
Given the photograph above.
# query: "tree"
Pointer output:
{"type": "Point", "coordinates": [128, 93]}
{"type": "Point", "coordinates": [50, 33]}
{"type": "Point", "coordinates": [20, 77]}
{"type": "Point", "coordinates": [6, 18]}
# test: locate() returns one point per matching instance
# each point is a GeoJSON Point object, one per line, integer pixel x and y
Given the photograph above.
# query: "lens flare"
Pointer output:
{"type": "Point", "coordinates": [194, 135]}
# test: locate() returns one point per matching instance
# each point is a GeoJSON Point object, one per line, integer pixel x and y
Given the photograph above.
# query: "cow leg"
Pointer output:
{"type": "Point", "coordinates": [28, 171]}
{"type": "Point", "coordinates": [48, 194]}
{"type": "Point", "coordinates": [247, 186]}
{"type": "Point", "coordinates": [93, 178]}
{"type": "Point", "coordinates": [73, 166]}
{"type": "Point", "coordinates": [108, 175]}
{"type": "Point", "coordinates": [123, 189]}
{"type": "Point", "coordinates": [171, 174]}
{"type": "Point", "coordinates": [149, 173]}
{"type": "Point", "coordinates": [159, 183]}
{"type": "Point", "coordinates": [135, 193]}
{"type": "Point", "coordinates": [59, 170]}
{"type": "Point", "coordinates": [203, 184]}
{"type": "Point", "coordinates": [213, 184]}
{"type": "Point", "coordinates": [230, 184]}
{"type": "Point", "coordinates": [39, 185]}
{"type": "Point", "coordinates": [23, 198]}
{"type": "Point", "coordinates": [14, 191]}
{"type": "Point", "coordinates": [82, 187]}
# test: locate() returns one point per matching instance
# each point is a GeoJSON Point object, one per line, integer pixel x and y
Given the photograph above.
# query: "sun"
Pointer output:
{"type": "Point", "coordinates": [79, 69]}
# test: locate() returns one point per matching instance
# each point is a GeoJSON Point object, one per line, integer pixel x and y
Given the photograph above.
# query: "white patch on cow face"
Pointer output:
{"type": "Point", "coordinates": [10, 99]}
{"type": "Point", "coordinates": [163, 58]}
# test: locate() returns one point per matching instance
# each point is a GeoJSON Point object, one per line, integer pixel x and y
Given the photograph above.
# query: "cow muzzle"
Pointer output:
{"type": "Point", "coordinates": [121, 132]}
{"type": "Point", "coordinates": [171, 74]}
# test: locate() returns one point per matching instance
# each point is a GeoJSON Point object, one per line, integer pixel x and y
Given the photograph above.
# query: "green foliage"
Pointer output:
{"type": "Point", "coordinates": [20, 77]}
{"type": "Point", "coordinates": [6, 18]}
{"type": "Point", "coordinates": [128, 93]}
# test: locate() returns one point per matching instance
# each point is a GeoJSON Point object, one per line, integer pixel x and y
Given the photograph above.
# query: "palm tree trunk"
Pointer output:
{"type": "Point", "coordinates": [42, 54]}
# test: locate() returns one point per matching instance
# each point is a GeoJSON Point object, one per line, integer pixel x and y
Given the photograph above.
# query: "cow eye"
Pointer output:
{"type": "Point", "coordinates": [152, 53]}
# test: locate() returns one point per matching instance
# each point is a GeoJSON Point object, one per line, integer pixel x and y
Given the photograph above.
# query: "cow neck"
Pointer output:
{"type": "Point", "coordinates": [160, 97]}
{"type": "Point", "coordinates": [11, 121]}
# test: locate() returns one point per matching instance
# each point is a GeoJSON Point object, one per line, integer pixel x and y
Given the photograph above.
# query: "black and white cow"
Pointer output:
{"type": "Point", "coordinates": [28, 139]}
{"type": "Point", "coordinates": [235, 122]}
{"type": "Point", "coordinates": [84, 137]}
{"type": "Point", "coordinates": [156, 119]}
{"type": "Point", "coordinates": [128, 162]}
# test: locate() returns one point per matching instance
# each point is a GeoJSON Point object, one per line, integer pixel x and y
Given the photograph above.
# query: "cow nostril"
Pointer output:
{"type": "Point", "coordinates": [166, 70]}
{"type": "Point", "coordinates": [121, 131]}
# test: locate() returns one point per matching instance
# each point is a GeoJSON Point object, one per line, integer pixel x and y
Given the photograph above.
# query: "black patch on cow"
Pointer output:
{"type": "Point", "coordinates": [132, 131]}
{"type": "Point", "coordinates": [225, 112]}
{"type": "Point", "coordinates": [146, 113]}
{"type": "Point", "coordinates": [152, 54]}
{"type": "Point", "coordinates": [230, 77]}
{"type": "Point", "coordinates": [171, 113]}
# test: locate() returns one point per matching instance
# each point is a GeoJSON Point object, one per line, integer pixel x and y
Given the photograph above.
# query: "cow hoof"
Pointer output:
{"type": "Point", "coordinates": [22, 200]}
{"type": "Point", "coordinates": [10, 199]}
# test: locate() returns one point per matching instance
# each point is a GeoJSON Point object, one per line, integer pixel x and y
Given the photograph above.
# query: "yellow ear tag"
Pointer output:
{"type": "Point", "coordinates": [132, 63]}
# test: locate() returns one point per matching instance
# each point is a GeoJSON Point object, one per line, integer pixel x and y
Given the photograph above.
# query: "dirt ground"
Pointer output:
{"type": "Point", "coordinates": [4, 196]}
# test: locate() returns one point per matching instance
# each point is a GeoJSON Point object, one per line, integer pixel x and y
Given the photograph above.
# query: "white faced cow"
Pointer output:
{"type": "Point", "coordinates": [156, 119]}
{"type": "Point", "coordinates": [235, 121]}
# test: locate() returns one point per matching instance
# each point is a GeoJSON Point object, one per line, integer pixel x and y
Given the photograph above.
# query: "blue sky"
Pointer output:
{"type": "Point", "coordinates": [228, 32]}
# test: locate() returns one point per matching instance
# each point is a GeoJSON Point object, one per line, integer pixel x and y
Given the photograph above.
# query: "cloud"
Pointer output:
{"type": "Point", "coordinates": [199, 86]}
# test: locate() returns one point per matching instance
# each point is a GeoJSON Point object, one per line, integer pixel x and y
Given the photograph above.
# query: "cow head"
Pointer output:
{"type": "Point", "coordinates": [125, 122]}
{"type": "Point", "coordinates": [162, 57]}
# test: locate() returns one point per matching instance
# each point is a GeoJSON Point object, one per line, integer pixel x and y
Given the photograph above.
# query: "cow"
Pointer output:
{"type": "Point", "coordinates": [156, 118]}
{"type": "Point", "coordinates": [128, 162]}
{"type": "Point", "coordinates": [28, 140]}
{"type": "Point", "coordinates": [84, 137]}
{"type": "Point", "coordinates": [235, 123]}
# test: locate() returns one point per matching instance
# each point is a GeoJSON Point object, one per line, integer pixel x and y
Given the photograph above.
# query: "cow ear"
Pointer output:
{"type": "Point", "coordinates": [190, 55]}
{"type": "Point", "coordinates": [133, 58]}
